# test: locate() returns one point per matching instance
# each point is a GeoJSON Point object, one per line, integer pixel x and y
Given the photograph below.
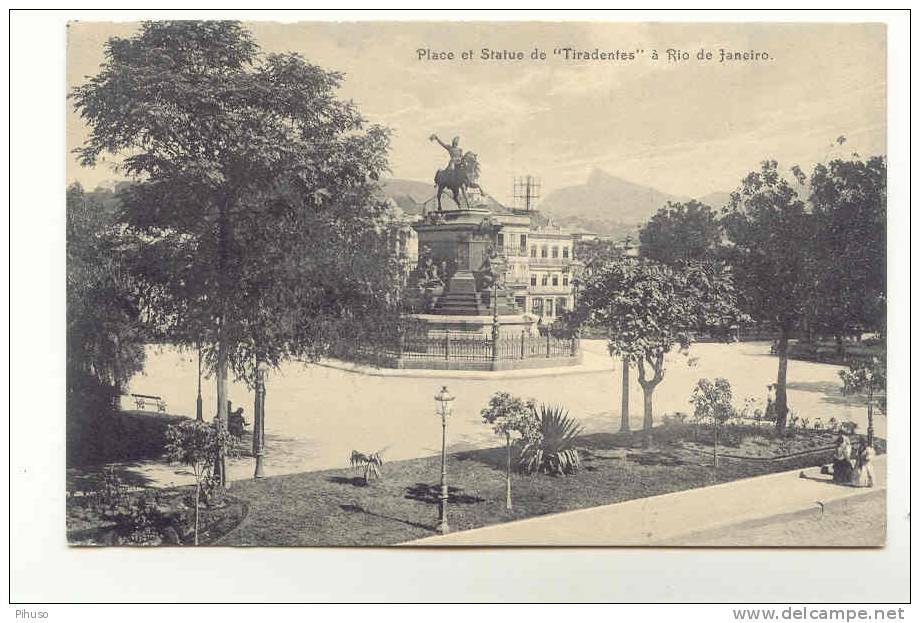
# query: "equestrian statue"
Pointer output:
{"type": "Point", "coordinates": [461, 172]}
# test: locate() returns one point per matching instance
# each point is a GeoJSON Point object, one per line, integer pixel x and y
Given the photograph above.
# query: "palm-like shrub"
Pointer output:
{"type": "Point", "coordinates": [554, 450]}
{"type": "Point", "coordinates": [369, 464]}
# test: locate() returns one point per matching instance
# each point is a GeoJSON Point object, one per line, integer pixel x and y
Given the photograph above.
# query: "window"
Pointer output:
{"type": "Point", "coordinates": [545, 280]}
{"type": "Point", "coordinates": [537, 307]}
{"type": "Point", "coordinates": [501, 240]}
{"type": "Point", "coordinates": [565, 280]}
{"type": "Point", "coordinates": [533, 280]}
{"type": "Point", "coordinates": [560, 305]}
{"type": "Point", "coordinates": [555, 280]}
{"type": "Point", "coordinates": [565, 252]}
{"type": "Point", "coordinates": [533, 251]}
{"type": "Point", "coordinates": [523, 241]}
{"type": "Point", "coordinates": [543, 251]}
{"type": "Point", "coordinates": [555, 252]}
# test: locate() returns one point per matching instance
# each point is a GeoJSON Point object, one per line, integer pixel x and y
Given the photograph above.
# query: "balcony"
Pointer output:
{"type": "Point", "coordinates": [549, 261]}
{"type": "Point", "coordinates": [549, 290]}
{"type": "Point", "coordinates": [512, 251]}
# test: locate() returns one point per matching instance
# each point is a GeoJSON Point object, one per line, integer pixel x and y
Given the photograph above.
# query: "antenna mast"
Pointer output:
{"type": "Point", "coordinates": [526, 192]}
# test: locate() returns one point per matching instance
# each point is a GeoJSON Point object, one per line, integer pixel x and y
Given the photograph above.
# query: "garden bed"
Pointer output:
{"type": "Point", "coordinates": [337, 508]}
{"type": "Point", "coordinates": [334, 507]}
{"type": "Point", "coordinates": [151, 518]}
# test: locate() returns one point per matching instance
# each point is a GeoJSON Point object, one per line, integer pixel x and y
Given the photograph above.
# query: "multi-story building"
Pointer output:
{"type": "Point", "coordinates": [551, 267]}
{"type": "Point", "coordinates": [541, 264]}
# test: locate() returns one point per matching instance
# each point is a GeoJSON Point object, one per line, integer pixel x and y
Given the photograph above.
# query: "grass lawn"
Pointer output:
{"type": "Point", "coordinates": [332, 508]}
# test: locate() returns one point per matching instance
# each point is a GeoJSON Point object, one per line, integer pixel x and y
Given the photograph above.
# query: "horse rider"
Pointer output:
{"type": "Point", "coordinates": [456, 153]}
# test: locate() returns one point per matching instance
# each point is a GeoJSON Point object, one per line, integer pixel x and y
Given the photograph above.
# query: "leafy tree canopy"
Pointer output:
{"type": "Point", "coordinates": [647, 308]}
{"type": "Point", "coordinates": [681, 232]}
{"type": "Point", "coordinates": [255, 226]}
{"type": "Point", "coordinates": [849, 199]}
{"type": "Point", "coordinates": [770, 234]}
{"type": "Point", "coordinates": [104, 340]}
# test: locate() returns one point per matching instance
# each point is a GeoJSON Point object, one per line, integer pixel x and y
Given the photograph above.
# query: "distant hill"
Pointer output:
{"type": "Point", "coordinates": [609, 205]}
{"type": "Point", "coordinates": [604, 204]}
{"type": "Point", "coordinates": [716, 200]}
{"type": "Point", "coordinates": [408, 194]}
{"type": "Point", "coordinates": [604, 197]}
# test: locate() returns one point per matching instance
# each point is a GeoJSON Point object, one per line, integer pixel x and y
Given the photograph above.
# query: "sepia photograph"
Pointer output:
{"type": "Point", "coordinates": [434, 283]}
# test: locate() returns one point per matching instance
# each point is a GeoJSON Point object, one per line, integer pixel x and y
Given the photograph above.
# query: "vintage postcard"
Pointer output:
{"type": "Point", "coordinates": [476, 284]}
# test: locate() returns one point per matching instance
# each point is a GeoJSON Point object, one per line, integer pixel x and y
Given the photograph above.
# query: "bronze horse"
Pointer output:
{"type": "Point", "coordinates": [458, 179]}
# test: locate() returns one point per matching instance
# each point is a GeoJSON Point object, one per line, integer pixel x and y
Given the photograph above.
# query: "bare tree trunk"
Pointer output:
{"type": "Point", "coordinates": [624, 398]}
{"type": "Point", "coordinates": [508, 473]}
{"type": "Point", "coordinates": [197, 505]}
{"type": "Point", "coordinates": [782, 405]}
{"type": "Point", "coordinates": [222, 415]}
{"type": "Point", "coordinates": [647, 391]}
{"type": "Point", "coordinates": [715, 445]}
{"type": "Point", "coordinates": [648, 388]}
{"type": "Point", "coordinates": [870, 430]}
{"type": "Point", "coordinates": [223, 253]}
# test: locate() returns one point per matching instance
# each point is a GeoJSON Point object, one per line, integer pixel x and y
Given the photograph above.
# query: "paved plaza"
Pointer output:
{"type": "Point", "coordinates": [316, 415]}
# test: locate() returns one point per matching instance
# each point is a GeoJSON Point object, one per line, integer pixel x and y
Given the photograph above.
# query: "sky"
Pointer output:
{"type": "Point", "coordinates": [686, 127]}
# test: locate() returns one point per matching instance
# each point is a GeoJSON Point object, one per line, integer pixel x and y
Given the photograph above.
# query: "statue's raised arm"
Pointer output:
{"type": "Point", "coordinates": [434, 137]}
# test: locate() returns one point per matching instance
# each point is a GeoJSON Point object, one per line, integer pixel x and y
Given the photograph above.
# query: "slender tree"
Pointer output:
{"type": "Point", "coordinates": [869, 378]}
{"type": "Point", "coordinates": [511, 417]}
{"type": "Point", "coordinates": [770, 236]}
{"type": "Point", "coordinates": [252, 204]}
{"type": "Point", "coordinates": [105, 340]}
{"type": "Point", "coordinates": [712, 403]}
{"type": "Point", "coordinates": [647, 309]}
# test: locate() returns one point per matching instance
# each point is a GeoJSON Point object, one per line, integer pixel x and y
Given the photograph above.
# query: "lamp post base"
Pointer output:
{"type": "Point", "coordinates": [259, 472]}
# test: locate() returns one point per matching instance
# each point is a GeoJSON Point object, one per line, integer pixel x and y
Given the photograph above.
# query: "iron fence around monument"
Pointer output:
{"type": "Point", "coordinates": [456, 348]}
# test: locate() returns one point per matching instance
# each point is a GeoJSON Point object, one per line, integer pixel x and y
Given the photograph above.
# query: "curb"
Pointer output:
{"type": "Point", "coordinates": [472, 375]}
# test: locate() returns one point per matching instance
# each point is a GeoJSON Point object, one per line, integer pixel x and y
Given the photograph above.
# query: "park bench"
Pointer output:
{"type": "Point", "coordinates": [143, 400]}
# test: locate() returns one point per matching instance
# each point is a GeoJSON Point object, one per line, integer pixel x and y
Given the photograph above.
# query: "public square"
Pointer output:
{"type": "Point", "coordinates": [316, 415]}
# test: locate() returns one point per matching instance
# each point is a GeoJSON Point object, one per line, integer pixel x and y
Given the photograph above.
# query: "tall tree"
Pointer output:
{"type": "Point", "coordinates": [681, 232]}
{"type": "Point", "coordinates": [849, 199]}
{"type": "Point", "coordinates": [104, 336]}
{"type": "Point", "coordinates": [252, 206]}
{"type": "Point", "coordinates": [771, 236]}
{"type": "Point", "coordinates": [647, 309]}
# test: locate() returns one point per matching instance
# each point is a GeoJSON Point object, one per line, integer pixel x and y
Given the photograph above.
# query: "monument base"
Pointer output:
{"type": "Point", "coordinates": [437, 325]}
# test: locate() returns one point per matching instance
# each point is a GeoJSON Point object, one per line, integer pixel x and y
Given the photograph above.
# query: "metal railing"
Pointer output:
{"type": "Point", "coordinates": [549, 261]}
{"type": "Point", "coordinates": [451, 347]}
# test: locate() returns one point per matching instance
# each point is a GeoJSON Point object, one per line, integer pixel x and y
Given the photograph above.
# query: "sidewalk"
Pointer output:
{"type": "Point", "coordinates": [663, 519]}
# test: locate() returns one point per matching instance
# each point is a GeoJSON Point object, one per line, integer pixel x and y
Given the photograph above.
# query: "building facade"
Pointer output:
{"type": "Point", "coordinates": [541, 266]}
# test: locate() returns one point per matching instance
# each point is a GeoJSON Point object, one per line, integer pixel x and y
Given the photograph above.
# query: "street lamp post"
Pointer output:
{"type": "Point", "coordinates": [444, 400]}
{"type": "Point", "coordinates": [258, 425]}
{"type": "Point", "coordinates": [495, 319]}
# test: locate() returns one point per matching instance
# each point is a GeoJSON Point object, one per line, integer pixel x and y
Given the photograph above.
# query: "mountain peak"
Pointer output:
{"type": "Point", "coordinates": [605, 198]}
